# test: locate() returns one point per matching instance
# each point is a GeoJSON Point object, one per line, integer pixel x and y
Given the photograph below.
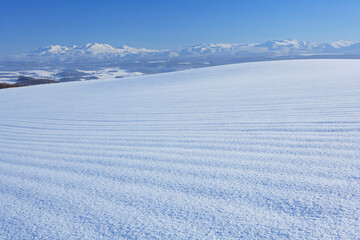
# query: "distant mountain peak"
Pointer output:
{"type": "Point", "coordinates": [97, 48]}
{"type": "Point", "coordinates": [268, 48]}
{"type": "Point", "coordinates": [341, 43]}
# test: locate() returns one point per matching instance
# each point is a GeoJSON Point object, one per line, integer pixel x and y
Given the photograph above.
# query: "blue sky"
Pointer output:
{"type": "Point", "coordinates": [160, 24]}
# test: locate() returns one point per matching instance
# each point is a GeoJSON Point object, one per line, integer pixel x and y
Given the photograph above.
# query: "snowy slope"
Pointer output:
{"type": "Point", "coordinates": [254, 150]}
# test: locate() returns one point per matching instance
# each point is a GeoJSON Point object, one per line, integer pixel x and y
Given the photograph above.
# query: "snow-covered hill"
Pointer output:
{"type": "Point", "coordinates": [266, 150]}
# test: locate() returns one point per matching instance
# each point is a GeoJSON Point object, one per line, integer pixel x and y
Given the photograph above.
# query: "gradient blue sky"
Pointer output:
{"type": "Point", "coordinates": [160, 24]}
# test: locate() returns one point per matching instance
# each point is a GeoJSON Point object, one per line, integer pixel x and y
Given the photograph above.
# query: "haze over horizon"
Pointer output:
{"type": "Point", "coordinates": [161, 24]}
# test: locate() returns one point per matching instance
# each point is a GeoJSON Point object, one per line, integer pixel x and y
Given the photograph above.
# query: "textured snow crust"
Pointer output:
{"type": "Point", "coordinates": [264, 150]}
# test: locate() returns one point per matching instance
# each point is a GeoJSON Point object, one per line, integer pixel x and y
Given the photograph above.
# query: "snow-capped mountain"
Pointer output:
{"type": "Point", "coordinates": [338, 44]}
{"type": "Point", "coordinates": [353, 48]}
{"type": "Point", "coordinates": [333, 46]}
{"type": "Point", "coordinates": [96, 50]}
{"type": "Point", "coordinates": [204, 49]}
{"type": "Point", "coordinates": [287, 46]}
{"type": "Point", "coordinates": [273, 48]}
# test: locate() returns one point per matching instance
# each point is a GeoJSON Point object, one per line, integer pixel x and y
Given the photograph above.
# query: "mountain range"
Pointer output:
{"type": "Point", "coordinates": [103, 61]}
{"type": "Point", "coordinates": [274, 48]}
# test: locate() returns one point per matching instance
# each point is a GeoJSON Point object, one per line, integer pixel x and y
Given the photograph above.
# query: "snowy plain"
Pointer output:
{"type": "Point", "coordinates": [264, 150]}
{"type": "Point", "coordinates": [55, 74]}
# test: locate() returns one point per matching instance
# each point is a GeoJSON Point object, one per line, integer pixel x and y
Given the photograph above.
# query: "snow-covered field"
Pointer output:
{"type": "Point", "coordinates": [57, 74]}
{"type": "Point", "coordinates": [109, 73]}
{"type": "Point", "coordinates": [254, 150]}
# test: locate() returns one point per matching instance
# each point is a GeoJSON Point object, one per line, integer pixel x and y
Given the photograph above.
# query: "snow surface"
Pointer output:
{"type": "Point", "coordinates": [255, 150]}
